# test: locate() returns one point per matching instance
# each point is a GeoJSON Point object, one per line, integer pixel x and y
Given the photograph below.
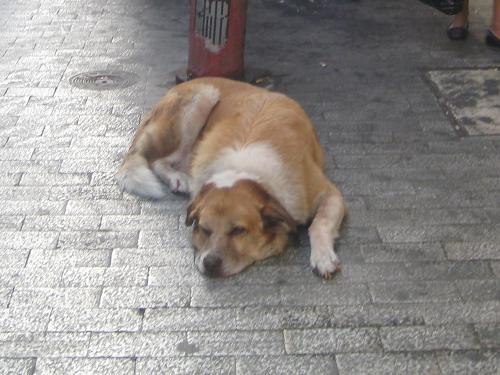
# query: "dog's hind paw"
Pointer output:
{"type": "Point", "coordinates": [179, 182]}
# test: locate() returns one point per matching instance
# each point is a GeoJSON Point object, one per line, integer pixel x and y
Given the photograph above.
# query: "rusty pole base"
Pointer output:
{"type": "Point", "coordinates": [255, 76]}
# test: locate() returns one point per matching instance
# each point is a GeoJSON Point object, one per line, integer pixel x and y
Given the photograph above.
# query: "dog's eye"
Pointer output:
{"type": "Point", "coordinates": [237, 230]}
{"type": "Point", "coordinates": [205, 231]}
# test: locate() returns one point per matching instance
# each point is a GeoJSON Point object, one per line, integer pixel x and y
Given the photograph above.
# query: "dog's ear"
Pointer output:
{"type": "Point", "coordinates": [192, 212]}
{"type": "Point", "coordinates": [193, 209]}
{"type": "Point", "coordinates": [274, 214]}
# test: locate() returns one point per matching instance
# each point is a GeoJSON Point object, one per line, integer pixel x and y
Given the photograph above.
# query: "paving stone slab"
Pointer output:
{"type": "Point", "coordinates": [325, 294]}
{"type": "Point", "coordinates": [125, 344]}
{"type": "Point", "coordinates": [489, 335]}
{"type": "Point", "coordinates": [387, 363]}
{"type": "Point", "coordinates": [144, 297]}
{"type": "Point", "coordinates": [101, 366]}
{"type": "Point", "coordinates": [234, 343]}
{"type": "Point", "coordinates": [102, 207]}
{"type": "Point", "coordinates": [44, 344]}
{"type": "Point", "coordinates": [417, 291]}
{"type": "Point", "coordinates": [479, 290]}
{"type": "Point", "coordinates": [104, 276]}
{"type": "Point", "coordinates": [338, 340]}
{"type": "Point", "coordinates": [186, 319]}
{"type": "Point", "coordinates": [289, 364]}
{"type": "Point", "coordinates": [234, 296]}
{"type": "Point", "coordinates": [427, 338]}
{"type": "Point", "coordinates": [474, 105]}
{"type": "Point", "coordinates": [95, 320]}
{"type": "Point", "coordinates": [472, 250]}
{"type": "Point", "coordinates": [30, 276]}
{"type": "Point", "coordinates": [15, 366]}
{"type": "Point", "coordinates": [469, 362]}
{"type": "Point", "coordinates": [188, 365]}
{"type": "Point", "coordinates": [69, 258]}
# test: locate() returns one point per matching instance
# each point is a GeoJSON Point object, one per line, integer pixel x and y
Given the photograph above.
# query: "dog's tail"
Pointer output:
{"type": "Point", "coordinates": [136, 177]}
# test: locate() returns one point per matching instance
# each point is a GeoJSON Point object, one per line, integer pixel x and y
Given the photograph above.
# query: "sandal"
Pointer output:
{"type": "Point", "coordinates": [457, 33]}
{"type": "Point", "coordinates": [491, 39]}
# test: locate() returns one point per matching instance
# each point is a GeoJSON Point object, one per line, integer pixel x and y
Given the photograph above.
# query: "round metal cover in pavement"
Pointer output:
{"type": "Point", "coordinates": [103, 80]}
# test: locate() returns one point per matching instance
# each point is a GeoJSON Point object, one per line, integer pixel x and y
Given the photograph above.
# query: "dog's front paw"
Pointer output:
{"type": "Point", "coordinates": [324, 262]}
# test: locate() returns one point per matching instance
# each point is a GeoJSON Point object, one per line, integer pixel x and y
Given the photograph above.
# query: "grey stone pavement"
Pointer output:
{"type": "Point", "coordinates": [93, 281]}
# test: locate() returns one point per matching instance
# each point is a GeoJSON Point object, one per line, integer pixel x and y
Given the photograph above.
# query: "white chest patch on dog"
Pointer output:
{"type": "Point", "coordinates": [258, 162]}
{"type": "Point", "coordinates": [229, 178]}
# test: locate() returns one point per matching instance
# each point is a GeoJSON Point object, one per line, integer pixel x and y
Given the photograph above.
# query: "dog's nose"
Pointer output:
{"type": "Point", "coordinates": [212, 265]}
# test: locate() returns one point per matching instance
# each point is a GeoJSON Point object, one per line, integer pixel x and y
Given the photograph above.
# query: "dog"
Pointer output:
{"type": "Point", "coordinates": [252, 162]}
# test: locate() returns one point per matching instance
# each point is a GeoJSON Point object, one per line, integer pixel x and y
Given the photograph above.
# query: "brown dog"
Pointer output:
{"type": "Point", "coordinates": [253, 164]}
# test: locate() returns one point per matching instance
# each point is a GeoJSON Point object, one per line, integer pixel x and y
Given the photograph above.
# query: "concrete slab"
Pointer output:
{"type": "Point", "coordinates": [472, 96]}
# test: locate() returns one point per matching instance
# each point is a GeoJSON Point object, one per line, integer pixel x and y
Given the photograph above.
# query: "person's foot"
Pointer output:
{"type": "Point", "coordinates": [459, 27]}
{"type": "Point", "coordinates": [492, 39]}
{"type": "Point", "coordinates": [458, 32]}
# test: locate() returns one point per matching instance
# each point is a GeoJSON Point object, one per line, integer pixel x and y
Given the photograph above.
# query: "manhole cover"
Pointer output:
{"type": "Point", "coordinates": [103, 80]}
{"type": "Point", "coordinates": [472, 97]}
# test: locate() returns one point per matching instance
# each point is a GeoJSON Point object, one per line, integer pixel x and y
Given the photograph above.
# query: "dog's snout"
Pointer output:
{"type": "Point", "coordinates": [212, 265]}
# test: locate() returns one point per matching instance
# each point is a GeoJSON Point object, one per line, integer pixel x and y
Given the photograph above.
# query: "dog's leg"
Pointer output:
{"type": "Point", "coordinates": [323, 231]}
{"type": "Point", "coordinates": [174, 168]}
{"type": "Point", "coordinates": [160, 150]}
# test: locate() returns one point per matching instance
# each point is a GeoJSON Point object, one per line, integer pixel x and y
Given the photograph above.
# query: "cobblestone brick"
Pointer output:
{"type": "Point", "coordinates": [462, 313]}
{"type": "Point", "coordinates": [14, 366]}
{"type": "Point", "coordinates": [38, 179]}
{"type": "Point", "coordinates": [125, 344]}
{"type": "Point", "coordinates": [14, 258]}
{"type": "Point", "coordinates": [97, 366]}
{"type": "Point", "coordinates": [25, 319]}
{"type": "Point", "coordinates": [28, 240]}
{"type": "Point", "coordinates": [489, 335]}
{"type": "Point", "coordinates": [479, 290]}
{"type": "Point", "coordinates": [11, 222]}
{"type": "Point", "coordinates": [69, 258]}
{"type": "Point", "coordinates": [30, 277]}
{"type": "Point", "coordinates": [104, 276]}
{"type": "Point", "coordinates": [174, 258]}
{"type": "Point", "coordinates": [428, 338]}
{"type": "Point", "coordinates": [185, 319]}
{"type": "Point", "coordinates": [44, 344]}
{"type": "Point", "coordinates": [144, 297]}
{"type": "Point", "coordinates": [5, 296]}
{"type": "Point", "coordinates": [424, 291]}
{"type": "Point", "coordinates": [235, 343]}
{"type": "Point", "coordinates": [59, 297]}
{"type": "Point", "coordinates": [94, 320]}
{"type": "Point", "coordinates": [129, 223]}
{"type": "Point", "coordinates": [102, 207]}
{"type": "Point", "coordinates": [97, 240]}
{"type": "Point", "coordinates": [281, 365]}
{"type": "Point", "coordinates": [472, 250]}
{"type": "Point", "coordinates": [387, 364]}
{"type": "Point", "coordinates": [469, 362]}
{"type": "Point", "coordinates": [32, 207]}
{"type": "Point", "coordinates": [339, 340]}
{"type": "Point", "coordinates": [9, 179]}
{"type": "Point", "coordinates": [61, 223]}
{"type": "Point", "coordinates": [187, 365]}
{"type": "Point", "coordinates": [375, 253]}
{"type": "Point", "coordinates": [232, 296]}
{"type": "Point", "coordinates": [325, 294]}
{"type": "Point", "coordinates": [162, 239]}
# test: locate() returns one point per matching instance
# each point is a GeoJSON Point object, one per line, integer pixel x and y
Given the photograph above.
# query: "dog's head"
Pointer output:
{"type": "Point", "coordinates": [235, 226]}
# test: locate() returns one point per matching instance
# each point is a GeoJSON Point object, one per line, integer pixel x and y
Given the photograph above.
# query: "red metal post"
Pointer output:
{"type": "Point", "coordinates": [217, 38]}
